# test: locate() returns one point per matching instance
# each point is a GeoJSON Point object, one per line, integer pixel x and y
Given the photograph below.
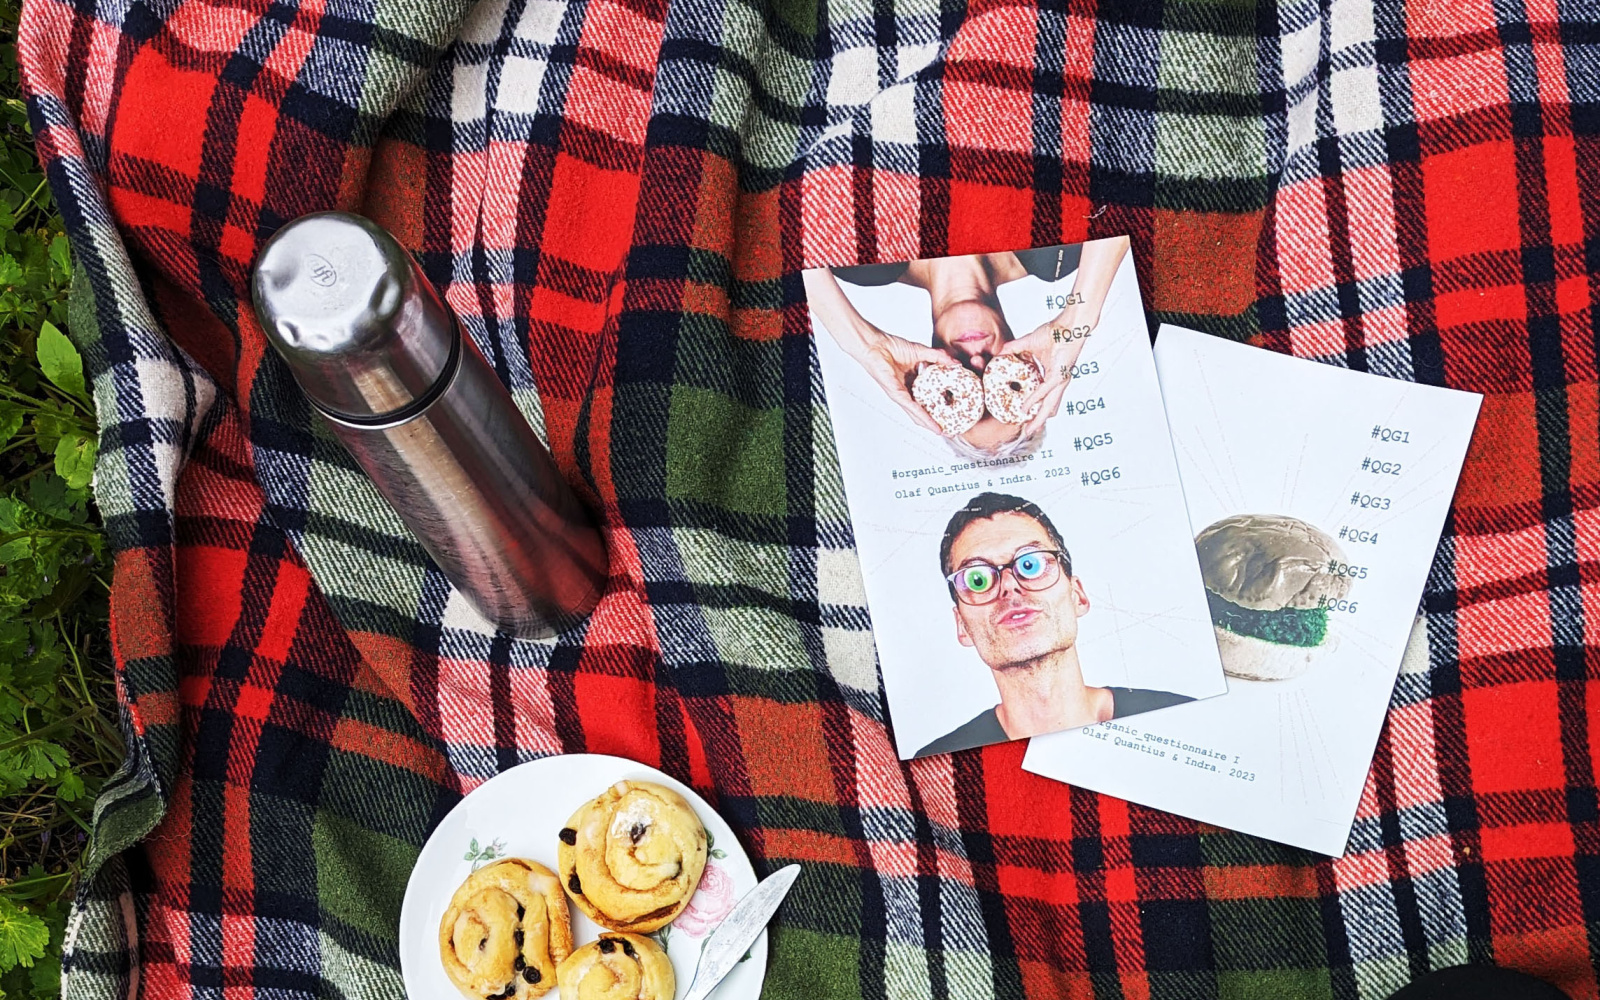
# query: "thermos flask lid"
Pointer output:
{"type": "Point", "coordinates": [354, 317]}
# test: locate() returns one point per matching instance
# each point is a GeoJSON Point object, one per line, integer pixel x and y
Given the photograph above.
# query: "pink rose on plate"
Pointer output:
{"type": "Point", "coordinates": [710, 903]}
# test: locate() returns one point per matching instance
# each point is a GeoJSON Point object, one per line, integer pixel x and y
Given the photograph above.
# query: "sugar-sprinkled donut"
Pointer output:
{"type": "Point", "coordinates": [952, 395]}
{"type": "Point", "coordinates": [1007, 381]}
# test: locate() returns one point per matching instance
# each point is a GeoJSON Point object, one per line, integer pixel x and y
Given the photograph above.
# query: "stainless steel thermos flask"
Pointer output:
{"type": "Point", "coordinates": [384, 359]}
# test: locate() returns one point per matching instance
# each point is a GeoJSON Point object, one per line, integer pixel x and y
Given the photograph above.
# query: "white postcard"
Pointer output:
{"type": "Point", "coordinates": [1015, 500]}
{"type": "Point", "coordinates": [1317, 495]}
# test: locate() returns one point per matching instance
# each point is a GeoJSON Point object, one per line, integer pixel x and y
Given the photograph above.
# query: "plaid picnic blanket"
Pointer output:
{"type": "Point", "coordinates": [617, 196]}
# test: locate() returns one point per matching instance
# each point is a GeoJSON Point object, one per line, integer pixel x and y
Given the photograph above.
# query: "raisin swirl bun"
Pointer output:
{"type": "Point", "coordinates": [505, 931]}
{"type": "Point", "coordinates": [618, 967]}
{"type": "Point", "coordinates": [631, 858]}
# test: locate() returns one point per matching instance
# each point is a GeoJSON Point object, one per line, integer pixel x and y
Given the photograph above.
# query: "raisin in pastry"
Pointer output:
{"type": "Point", "coordinates": [505, 931]}
{"type": "Point", "coordinates": [631, 858]}
{"type": "Point", "coordinates": [618, 967]}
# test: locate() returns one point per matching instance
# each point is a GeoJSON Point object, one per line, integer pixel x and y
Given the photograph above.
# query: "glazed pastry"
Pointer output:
{"type": "Point", "coordinates": [632, 857]}
{"type": "Point", "coordinates": [618, 967]}
{"type": "Point", "coordinates": [952, 395]}
{"type": "Point", "coordinates": [1007, 381]}
{"type": "Point", "coordinates": [505, 931]}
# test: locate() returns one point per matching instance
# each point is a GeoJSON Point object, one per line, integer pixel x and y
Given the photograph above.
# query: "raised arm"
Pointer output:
{"type": "Point", "coordinates": [1055, 346]}
{"type": "Point", "coordinates": [891, 361]}
{"type": "Point", "coordinates": [1096, 270]}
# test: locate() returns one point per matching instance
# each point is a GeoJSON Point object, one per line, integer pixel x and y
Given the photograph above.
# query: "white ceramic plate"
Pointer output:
{"type": "Point", "coordinates": [519, 814]}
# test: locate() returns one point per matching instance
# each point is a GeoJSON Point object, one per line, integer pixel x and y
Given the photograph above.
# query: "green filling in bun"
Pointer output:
{"type": "Point", "coordinates": [1285, 626]}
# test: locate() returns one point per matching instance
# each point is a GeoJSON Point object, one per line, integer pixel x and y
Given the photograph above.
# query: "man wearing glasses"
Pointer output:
{"type": "Point", "coordinates": [1018, 604]}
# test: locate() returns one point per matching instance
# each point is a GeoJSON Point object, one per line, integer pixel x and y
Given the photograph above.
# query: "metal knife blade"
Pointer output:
{"type": "Point", "coordinates": [739, 930]}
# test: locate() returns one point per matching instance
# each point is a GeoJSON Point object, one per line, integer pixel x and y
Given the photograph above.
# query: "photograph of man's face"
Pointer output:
{"type": "Point", "coordinates": [1016, 600]}
{"type": "Point", "coordinates": [1017, 604]}
{"type": "Point", "coordinates": [905, 349]}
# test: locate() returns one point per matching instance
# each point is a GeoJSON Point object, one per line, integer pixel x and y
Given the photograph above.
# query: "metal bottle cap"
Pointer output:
{"type": "Point", "coordinates": [355, 318]}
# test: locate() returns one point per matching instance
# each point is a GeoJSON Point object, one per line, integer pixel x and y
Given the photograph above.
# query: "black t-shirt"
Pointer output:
{"type": "Point", "coordinates": [986, 728]}
{"type": "Point", "coordinates": [1044, 263]}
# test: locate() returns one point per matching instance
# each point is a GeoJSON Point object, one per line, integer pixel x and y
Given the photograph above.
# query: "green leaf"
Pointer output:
{"type": "Point", "coordinates": [70, 788]}
{"type": "Point", "coordinates": [61, 255]}
{"type": "Point", "coordinates": [11, 272]}
{"type": "Point", "coordinates": [46, 976]}
{"type": "Point", "coordinates": [36, 760]}
{"type": "Point", "coordinates": [10, 421]}
{"type": "Point", "coordinates": [48, 494]}
{"type": "Point", "coordinates": [15, 638]}
{"type": "Point", "coordinates": [60, 360]}
{"type": "Point", "coordinates": [75, 460]}
{"type": "Point", "coordinates": [15, 551]}
{"type": "Point", "coordinates": [38, 675]}
{"type": "Point", "coordinates": [23, 936]}
{"type": "Point", "coordinates": [50, 426]}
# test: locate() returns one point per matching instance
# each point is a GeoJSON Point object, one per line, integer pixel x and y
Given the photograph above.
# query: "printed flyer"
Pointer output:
{"type": "Point", "coordinates": [1317, 495]}
{"type": "Point", "coordinates": [1027, 557]}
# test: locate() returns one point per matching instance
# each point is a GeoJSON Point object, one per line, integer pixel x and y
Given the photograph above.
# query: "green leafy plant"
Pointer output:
{"type": "Point", "coordinates": [58, 742]}
{"type": "Point", "coordinates": [480, 856]}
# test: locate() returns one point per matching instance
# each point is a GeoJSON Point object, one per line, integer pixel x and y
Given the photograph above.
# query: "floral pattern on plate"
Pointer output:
{"type": "Point", "coordinates": [519, 813]}
{"type": "Point", "coordinates": [710, 903]}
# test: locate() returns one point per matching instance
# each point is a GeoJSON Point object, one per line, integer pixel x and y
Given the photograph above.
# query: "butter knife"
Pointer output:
{"type": "Point", "coordinates": [739, 930]}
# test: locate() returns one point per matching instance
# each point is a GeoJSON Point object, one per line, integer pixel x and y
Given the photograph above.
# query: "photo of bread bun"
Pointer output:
{"type": "Point", "coordinates": [505, 931]}
{"type": "Point", "coordinates": [1269, 582]}
{"type": "Point", "coordinates": [952, 395]}
{"type": "Point", "coordinates": [618, 967]}
{"type": "Point", "coordinates": [1007, 381]}
{"type": "Point", "coordinates": [631, 857]}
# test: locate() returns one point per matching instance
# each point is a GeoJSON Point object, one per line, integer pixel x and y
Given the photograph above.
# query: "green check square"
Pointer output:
{"type": "Point", "coordinates": [361, 875]}
{"type": "Point", "coordinates": [802, 963]}
{"type": "Point", "coordinates": [280, 825]}
{"type": "Point", "coordinates": [1380, 977]}
{"type": "Point", "coordinates": [905, 969]}
{"type": "Point", "coordinates": [1210, 147]}
{"type": "Point", "coordinates": [712, 558]}
{"type": "Point", "coordinates": [711, 358]}
{"type": "Point", "coordinates": [725, 454]}
{"type": "Point", "coordinates": [1268, 934]}
{"type": "Point", "coordinates": [383, 798]}
{"type": "Point", "coordinates": [1214, 17]}
{"type": "Point", "coordinates": [828, 485]}
{"type": "Point", "coordinates": [1201, 63]}
{"type": "Point", "coordinates": [969, 975]}
{"type": "Point", "coordinates": [758, 638]}
{"type": "Point", "coordinates": [1276, 984]}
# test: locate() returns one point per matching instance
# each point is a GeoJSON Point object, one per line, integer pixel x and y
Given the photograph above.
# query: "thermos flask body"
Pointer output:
{"type": "Point", "coordinates": [419, 408]}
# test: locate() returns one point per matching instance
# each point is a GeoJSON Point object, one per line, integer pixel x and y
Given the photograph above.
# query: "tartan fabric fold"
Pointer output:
{"type": "Point", "coordinates": [617, 197]}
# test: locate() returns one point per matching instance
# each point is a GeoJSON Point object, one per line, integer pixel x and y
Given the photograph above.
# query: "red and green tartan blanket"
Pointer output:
{"type": "Point", "coordinates": [618, 196]}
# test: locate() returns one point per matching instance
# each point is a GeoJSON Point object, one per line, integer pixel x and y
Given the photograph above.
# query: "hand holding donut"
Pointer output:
{"type": "Point", "coordinates": [1053, 349]}
{"type": "Point", "coordinates": [1055, 346]}
{"type": "Point", "coordinates": [893, 363]}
